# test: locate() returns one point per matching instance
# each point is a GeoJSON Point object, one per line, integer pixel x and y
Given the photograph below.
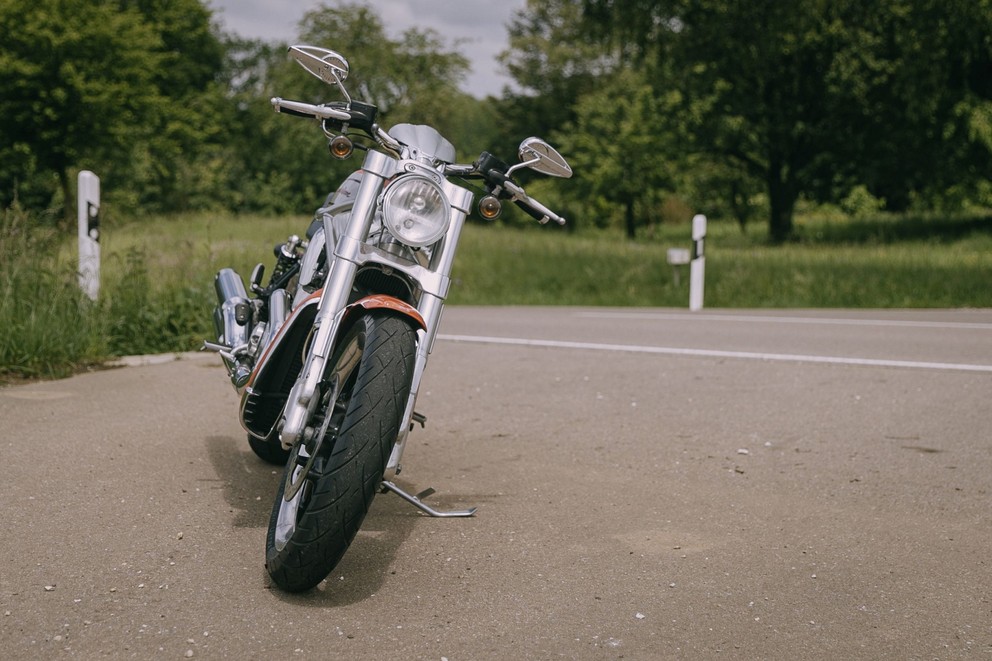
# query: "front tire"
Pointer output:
{"type": "Point", "coordinates": [331, 491]}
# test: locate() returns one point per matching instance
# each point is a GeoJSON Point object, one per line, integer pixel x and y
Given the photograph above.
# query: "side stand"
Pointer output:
{"type": "Point", "coordinates": [420, 505]}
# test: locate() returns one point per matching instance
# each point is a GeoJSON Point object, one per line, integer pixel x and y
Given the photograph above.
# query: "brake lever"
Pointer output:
{"type": "Point", "coordinates": [531, 206]}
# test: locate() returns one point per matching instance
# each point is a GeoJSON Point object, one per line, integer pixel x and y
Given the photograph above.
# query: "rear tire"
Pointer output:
{"type": "Point", "coordinates": [309, 534]}
{"type": "Point", "coordinates": [269, 450]}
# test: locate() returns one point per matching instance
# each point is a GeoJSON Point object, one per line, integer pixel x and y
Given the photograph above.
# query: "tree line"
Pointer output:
{"type": "Point", "coordinates": [740, 110]}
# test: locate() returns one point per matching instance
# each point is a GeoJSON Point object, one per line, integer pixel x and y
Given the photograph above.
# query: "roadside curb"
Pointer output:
{"type": "Point", "coordinates": [159, 359]}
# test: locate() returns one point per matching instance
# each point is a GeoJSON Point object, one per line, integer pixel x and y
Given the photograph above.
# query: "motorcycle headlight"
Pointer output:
{"type": "Point", "coordinates": [416, 211]}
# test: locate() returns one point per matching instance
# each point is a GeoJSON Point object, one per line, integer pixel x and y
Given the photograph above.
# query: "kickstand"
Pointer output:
{"type": "Point", "coordinates": [420, 505]}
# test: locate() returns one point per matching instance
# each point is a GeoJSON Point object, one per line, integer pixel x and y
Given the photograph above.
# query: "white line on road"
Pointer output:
{"type": "Point", "coordinates": [668, 316]}
{"type": "Point", "coordinates": [714, 353]}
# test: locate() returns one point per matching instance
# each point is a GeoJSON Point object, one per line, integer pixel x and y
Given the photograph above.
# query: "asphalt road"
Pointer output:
{"type": "Point", "coordinates": [651, 484]}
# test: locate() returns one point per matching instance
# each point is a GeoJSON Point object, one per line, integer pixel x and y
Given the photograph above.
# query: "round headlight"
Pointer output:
{"type": "Point", "coordinates": [416, 211]}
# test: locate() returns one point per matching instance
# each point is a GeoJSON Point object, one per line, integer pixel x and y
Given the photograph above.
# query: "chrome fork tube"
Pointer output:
{"type": "Point", "coordinates": [301, 403]}
{"type": "Point", "coordinates": [431, 307]}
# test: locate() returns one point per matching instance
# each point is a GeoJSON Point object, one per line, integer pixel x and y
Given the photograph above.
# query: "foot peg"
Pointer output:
{"type": "Point", "coordinates": [420, 505]}
{"type": "Point", "coordinates": [420, 419]}
{"type": "Point", "coordinates": [236, 369]}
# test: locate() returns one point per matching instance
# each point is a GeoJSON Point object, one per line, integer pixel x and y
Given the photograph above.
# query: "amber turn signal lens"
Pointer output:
{"type": "Point", "coordinates": [341, 147]}
{"type": "Point", "coordinates": [490, 207]}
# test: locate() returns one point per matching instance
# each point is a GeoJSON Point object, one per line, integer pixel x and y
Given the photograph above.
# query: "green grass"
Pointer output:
{"type": "Point", "coordinates": [889, 263]}
{"type": "Point", "coordinates": [156, 288]}
{"type": "Point", "coordinates": [46, 321]}
{"type": "Point", "coordinates": [157, 275]}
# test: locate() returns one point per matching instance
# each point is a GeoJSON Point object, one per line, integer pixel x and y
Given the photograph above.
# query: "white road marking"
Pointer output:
{"type": "Point", "coordinates": [714, 353]}
{"type": "Point", "coordinates": [670, 316]}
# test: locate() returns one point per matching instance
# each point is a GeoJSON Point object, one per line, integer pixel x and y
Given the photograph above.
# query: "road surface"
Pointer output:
{"type": "Point", "coordinates": [650, 484]}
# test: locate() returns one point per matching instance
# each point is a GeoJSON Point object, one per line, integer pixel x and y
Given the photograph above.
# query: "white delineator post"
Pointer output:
{"type": "Point", "coordinates": [697, 265]}
{"type": "Point", "coordinates": [677, 257]}
{"type": "Point", "coordinates": [88, 213]}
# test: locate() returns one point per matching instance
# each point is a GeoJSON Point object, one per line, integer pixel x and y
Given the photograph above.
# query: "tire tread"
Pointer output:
{"type": "Point", "coordinates": [343, 495]}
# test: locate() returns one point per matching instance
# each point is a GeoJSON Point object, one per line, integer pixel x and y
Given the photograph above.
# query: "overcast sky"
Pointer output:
{"type": "Point", "coordinates": [480, 23]}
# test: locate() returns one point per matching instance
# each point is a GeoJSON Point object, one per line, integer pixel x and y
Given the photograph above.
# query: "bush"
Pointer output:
{"type": "Point", "coordinates": [860, 203]}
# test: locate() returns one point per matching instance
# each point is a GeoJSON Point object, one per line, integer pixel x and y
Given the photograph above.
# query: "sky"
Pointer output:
{"type": "Point", "coordinates": [480, 24]}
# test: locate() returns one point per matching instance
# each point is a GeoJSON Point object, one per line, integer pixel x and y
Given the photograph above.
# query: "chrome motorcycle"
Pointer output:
{"type": "Point", "coordinates": [328, 354]}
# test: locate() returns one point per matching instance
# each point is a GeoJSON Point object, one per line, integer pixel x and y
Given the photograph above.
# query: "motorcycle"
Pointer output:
{"type": "Point", "coordinates": [328, 354]}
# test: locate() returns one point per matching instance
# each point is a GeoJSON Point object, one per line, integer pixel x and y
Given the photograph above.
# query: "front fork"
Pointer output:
{"type": "Point", "coordinates": [304, 396]}
{"type": "Point", "coordinates": [302, 400]}
{"type": "Point", "coordinates": [430, 310]}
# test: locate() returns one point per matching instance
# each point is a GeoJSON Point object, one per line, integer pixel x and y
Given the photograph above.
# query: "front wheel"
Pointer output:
{"type": "Point", "coordinates": [330, 480]}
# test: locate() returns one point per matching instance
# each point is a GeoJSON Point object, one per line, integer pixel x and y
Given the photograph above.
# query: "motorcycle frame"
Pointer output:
{"type": "Point", "coordinates": [351, 251]}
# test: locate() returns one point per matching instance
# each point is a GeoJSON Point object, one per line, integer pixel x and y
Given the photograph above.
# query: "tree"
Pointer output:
{"type": "Point", "coordinates": [409, 79]}
{"type": "Point", "coordinates": [77, 80]}
{"type": "Point", "coordinates": [813, 96]}
{"type": "Point", "coordinates": [123, 87]}
{"type": "Point", "coordinates": [620, 147]}
{"type": "Point", "coordinates": [552, 64]}
{"type": "Point", "coordinates": [169, 167]}
{"type": "Point", "coordinates": [916, 80]}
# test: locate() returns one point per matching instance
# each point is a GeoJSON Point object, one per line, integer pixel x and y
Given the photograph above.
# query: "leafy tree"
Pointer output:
{"type": "Point", "coordinates": [170, 167]}
{"type": "Point", "coordinates": [77, 80]}
{"type": "Point", "coordinates": [915, 80]}
{"type": "Point", "coordinates": [620, 147]}
{"type": "Point", "coordinates": [271, 163]}
{"type": "Point", "coordinates": [552, 64]}
{"type": "Point", "coordinates": [192, 54]}
{"type": "Point", "coordinates": [816, 96]}
{"type": "Point", "coordinates": [123, 87]}
{"type": "Point", "coordinates": [409, 79]}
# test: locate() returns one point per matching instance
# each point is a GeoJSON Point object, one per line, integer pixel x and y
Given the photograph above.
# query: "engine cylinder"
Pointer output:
{"type": "Point", "coordinates": [232, 327]}
{"type": "Point", "coordinates": [230, 294]}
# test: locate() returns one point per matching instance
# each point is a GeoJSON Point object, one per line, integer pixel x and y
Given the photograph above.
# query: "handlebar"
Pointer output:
{"type": "Point", "coordinates": [359, 115]}
{"type": "Point", "coordinates": [301, 109]}
{"type": "Point", "coordinates": [530, 206]}
{"type": "Point", "coordinates": [491, 170]}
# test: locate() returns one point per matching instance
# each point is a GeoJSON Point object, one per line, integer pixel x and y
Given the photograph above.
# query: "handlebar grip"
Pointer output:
{"type": "Point", "coordinates": [297, 113]}
{"type": "Point", "coordinates": [531, 211]}
{"type": "Point", "coordinates": [539, 212]}
{"type": "Point", "coordinates": [301, 109]}
{"type": "Point", "coordinates": [532, 207]}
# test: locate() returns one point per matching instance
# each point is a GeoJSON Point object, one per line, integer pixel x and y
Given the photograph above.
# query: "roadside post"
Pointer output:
{"type": "Point", "coordinates": [677, 257]}
{"type": "Point", "coordinates": [697, 265]}
{"type": "Point", "coordinates": [88, 213]}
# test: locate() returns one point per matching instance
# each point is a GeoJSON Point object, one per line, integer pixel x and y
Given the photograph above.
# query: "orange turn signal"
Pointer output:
{"type": "Point", "coordinates": [490, 207]}
{"type": "Point", "coordinates": [341, 147]}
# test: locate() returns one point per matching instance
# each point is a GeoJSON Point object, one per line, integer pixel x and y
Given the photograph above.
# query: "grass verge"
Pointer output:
{"type": "Point", "coordinates": [157, 275]}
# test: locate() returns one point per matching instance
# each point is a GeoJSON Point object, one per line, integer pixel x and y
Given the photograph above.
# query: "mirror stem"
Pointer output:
{"type": "Point", "coordinates": [524, 164]}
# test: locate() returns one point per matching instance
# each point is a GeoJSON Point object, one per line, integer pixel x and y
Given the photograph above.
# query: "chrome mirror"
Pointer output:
{"type": "Point", "coordinates": [538, 155]}
{"type": "Point", "coordinates": [325, 64]}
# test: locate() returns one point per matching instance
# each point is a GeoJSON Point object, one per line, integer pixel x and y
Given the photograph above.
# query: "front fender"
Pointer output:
{"type": "Point", "coordinates": [265, 395]}
{"type": "Point", "coordinates": [383, 302]}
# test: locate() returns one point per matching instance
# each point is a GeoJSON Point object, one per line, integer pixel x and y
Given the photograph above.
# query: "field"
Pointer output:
{"type": "Point", "coordinates": [157, 275]}
{"type": "Point", "coordinates": [912, 263]}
